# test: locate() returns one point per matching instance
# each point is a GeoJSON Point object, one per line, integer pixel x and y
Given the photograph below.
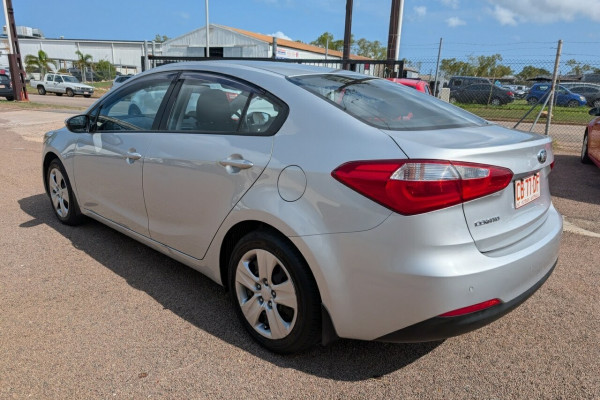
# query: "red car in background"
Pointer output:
{"type": "Point", "coordinates": [590, 150]}
{"type": "Point", "coordinates": [416, 84]}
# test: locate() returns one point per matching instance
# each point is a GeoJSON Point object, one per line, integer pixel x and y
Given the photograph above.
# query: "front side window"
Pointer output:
{"type": "Point", "coordinates": [58, 79]}
{"type": "Point", "coordinates": [134, 109]}
{"type": "Point", "coordinates": [216, 104]}
{"type": "Point", "coordinates": [385, 105]}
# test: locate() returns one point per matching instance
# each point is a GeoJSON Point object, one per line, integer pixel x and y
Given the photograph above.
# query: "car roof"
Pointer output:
{"type": "Point", "coordinates": [280, 68]}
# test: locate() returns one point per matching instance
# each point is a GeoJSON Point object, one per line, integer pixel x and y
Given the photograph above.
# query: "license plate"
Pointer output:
{"type": "Point", "coordinates": [527, 190]}
{"type": "Point", "coordinates": [85, 92]}
{"type": "Point", "coordinates": [2, 86]}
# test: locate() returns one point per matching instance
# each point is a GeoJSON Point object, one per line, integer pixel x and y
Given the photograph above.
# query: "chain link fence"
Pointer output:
{"type": "Point", "coordinates": [515, 93]}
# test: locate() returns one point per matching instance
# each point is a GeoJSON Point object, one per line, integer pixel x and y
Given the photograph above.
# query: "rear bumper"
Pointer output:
{"type": "Point", "coordinates": [408, 271]}
{"type": "Point", "coordinates": [439, 328]}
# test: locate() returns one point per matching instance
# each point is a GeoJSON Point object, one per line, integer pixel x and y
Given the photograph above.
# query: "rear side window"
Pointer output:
{"type": "Point", "coordinates": [384, 104]}
{"type": "Point", "coordinates": [216, 104]}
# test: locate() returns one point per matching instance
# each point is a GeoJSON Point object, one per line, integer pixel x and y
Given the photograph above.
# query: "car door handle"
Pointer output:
{"type": "Point", "coordinates": [133, 155]}
{"type": "Point", "coordinates": [236, 163]}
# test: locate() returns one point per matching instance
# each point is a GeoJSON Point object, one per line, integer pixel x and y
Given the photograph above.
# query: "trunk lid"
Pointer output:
{"type": "Point", "coordinates": [494, 221]}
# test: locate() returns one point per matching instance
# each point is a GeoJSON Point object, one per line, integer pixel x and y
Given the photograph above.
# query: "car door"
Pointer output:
{"type": "Point", "coordinates": [213, 146]}
{"type": "Point", "coordinates": [108, 161]}
{"type": "Point", "coordinates": [58, 86]}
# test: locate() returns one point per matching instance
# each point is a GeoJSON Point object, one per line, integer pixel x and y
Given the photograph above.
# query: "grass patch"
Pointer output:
{"type": "Point", "coordinates": [515, 111]}
{"type": "Point", "coordinates": [30, 105]}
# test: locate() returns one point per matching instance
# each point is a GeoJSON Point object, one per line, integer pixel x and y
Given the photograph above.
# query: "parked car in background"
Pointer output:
{"type": "Point", "coordinates": [562, 96]}
{"type": "Point", "coordinates": [590, 149]}
{"type": "Point", "coordinates": [417, 84]}
{"type": "Point", "coordinates": [482, 93]}
{"type": "Point", "coordinates": [6, 90]}
{"type": "Point", "coordinates": [591, 93]}
{"type": "Point", "coordinates": [520, 91]}
{"type": "Point", "coordinates": [330, 203]}
{"type": "Point", "coordinates": [457, 82]}
{"type": "Point", "coordinates": [60, 84]}
{"type": "Point", "coordinates": [119, 80]}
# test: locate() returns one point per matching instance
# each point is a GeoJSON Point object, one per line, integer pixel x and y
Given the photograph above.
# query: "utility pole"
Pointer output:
{"type": "Point", "coordinates": [17, 73]}
{"type": "Point", "coordinates": [437, 68]}
{"type": "Point", "coordinates": [394, 35]}
{"type": "Point", "coordinates": [207, 31]}
{"type": "Point", "coordinates": [347, 34]}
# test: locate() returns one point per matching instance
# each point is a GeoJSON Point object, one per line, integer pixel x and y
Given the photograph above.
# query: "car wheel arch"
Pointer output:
{"type": "Point", "coordinates": [48, 158]}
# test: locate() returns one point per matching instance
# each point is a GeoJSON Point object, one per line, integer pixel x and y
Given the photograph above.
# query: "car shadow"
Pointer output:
{"type": "Point", "coordinates": [570, 179]}
{"type": "Point", "coordinates": [205, 304]}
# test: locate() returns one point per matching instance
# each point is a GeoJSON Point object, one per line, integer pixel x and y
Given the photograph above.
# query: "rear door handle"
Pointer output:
{"type": "Point", "coordinates": [236, 163]}
{"type": "Point", "coordinates": [131, 156]}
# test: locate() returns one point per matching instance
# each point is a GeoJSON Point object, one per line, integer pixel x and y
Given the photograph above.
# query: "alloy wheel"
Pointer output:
{"type": "Point", "coordinates": [266, 294]}
{"type": "Point", "coordinates": [59, 192]}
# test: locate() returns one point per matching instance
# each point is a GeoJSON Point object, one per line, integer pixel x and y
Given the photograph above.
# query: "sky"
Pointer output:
{"type": "Point", "coordinates": [525, 30]}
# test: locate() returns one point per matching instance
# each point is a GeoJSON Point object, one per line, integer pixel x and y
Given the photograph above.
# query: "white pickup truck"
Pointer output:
{"type": "Point", "coordinates": [60, 84]}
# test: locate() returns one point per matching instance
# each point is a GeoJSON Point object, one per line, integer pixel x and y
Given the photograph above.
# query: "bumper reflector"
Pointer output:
{"type": "Point", "coordinates": [472, 309]}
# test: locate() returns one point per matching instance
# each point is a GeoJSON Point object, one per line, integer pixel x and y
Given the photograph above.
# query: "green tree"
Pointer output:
{"type": "Point", "coordinates": [42, 63]}
{"type": "Point", "coordinates": [374, 49]}
{"type": "Point", "coordinates": [106, 70]}
{"type": "Point", "coordinates": [83, 61]}
{"type": "Point", "coordinates": [489, 66]}
{"type": "Point", "coordinates": [161, 39]}
{"type": "Point", "coordinates": [327, 39]}
{"type": "Point", "coordinates": [453, 67]}
{"type": "Point", "coordinates": [577, 68]}
{"type": "Point", "coordinates": [530, 71]}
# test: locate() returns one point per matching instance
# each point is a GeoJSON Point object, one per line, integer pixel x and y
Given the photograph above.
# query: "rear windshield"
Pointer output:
{"type": "Point", "coordinates": [4, 78]}
{"type": "Point", "coordinates": [385, 104]}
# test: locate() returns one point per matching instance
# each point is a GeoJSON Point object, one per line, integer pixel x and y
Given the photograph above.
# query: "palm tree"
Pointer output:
{"type": "Point", "coordinates": [40, 63]}
{"type": "Point", "coordinates": [83, 61]}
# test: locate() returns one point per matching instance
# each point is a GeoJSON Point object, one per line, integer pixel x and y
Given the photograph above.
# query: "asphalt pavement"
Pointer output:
{"type": "Point", "coordinates": [88, 313]}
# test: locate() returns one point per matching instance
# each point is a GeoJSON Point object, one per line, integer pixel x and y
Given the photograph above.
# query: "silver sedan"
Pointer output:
{"type": "Point", "coordinates": [329, 203]}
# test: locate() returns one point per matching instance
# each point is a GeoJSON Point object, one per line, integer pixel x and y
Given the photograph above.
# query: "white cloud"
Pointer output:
{"type": "Point", "coordinates": [450, 3]}
{"type": "Point", "coordinates": [510, 12]}
{"type": "Point", "coordinates": [453, 22]}
{"type": "Point", "coordinates": [504, 16]}
{"type": "Point", "coordinates": [421, 11]}
{"type": "Point", "coordinates": [183, 15]}
{"type": "Point", "coordinates": [280, 35]}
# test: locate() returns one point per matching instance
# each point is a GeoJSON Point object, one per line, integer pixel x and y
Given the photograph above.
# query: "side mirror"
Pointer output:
{"type": "Point", "coordinates": [78, 123]}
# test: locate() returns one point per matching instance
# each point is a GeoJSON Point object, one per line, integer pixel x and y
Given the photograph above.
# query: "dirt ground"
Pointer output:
{"type": "Point", "coordinates": [88, 313]}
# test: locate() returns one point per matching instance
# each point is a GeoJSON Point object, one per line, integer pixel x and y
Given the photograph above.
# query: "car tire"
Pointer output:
{"type": "Point", "coordinates": [58, 94]}
{"type": "Point", "coordinates": [271, 285]}
{"type": "Point", "coordinates": [61, 195]}
{"type": "Point", "coordinates": [532, 100]}
{"type": "Point", "coordinates": [10, 98]}
{"type": "Point", "coordinates": [585, 158]}
{"type": "Point", "coordinates": [452, 100]}
{"type": "Point", "coordinates": [41, 90]}
{"type": "Point", "coordinates": [573, 103]}
{"type": "Point", "coordinates": [496, 102]}
{"type": "Point", "coordinates": [70, 93]}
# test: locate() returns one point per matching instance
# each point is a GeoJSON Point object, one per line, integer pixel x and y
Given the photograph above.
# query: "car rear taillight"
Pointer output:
{"type": "Point", "coordinates": [472, 309]}
{"type": "Point", "coordinates": [511, 94]}
{"type": "Point", "coordinates": [412, 187]}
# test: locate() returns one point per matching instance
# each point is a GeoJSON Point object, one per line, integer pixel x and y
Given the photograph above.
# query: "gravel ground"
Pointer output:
{"type": "Point", "coordinates": [88, 313]}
